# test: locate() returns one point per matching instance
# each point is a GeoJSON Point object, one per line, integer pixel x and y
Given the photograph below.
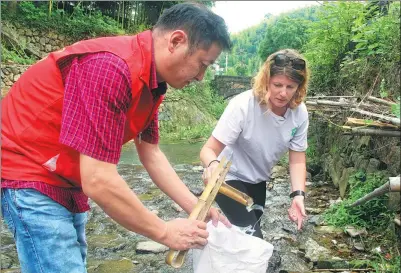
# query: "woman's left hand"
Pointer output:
{"type": "Point", "coordinates": [216, 216]}
{"type": "Point", "coordinates": [296, 212]}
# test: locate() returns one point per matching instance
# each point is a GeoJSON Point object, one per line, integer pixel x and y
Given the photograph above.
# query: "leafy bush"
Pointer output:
{"type": "Point", "coordinates": [372, 214]}
{"type": "Point", "coordinates": [78, 25]}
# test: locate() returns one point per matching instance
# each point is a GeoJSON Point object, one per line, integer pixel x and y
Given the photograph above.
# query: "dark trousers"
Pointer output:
{"type": "Point", "coordinates": [237, 213]}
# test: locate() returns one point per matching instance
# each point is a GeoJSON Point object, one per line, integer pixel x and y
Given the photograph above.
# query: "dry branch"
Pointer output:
{"type": "Point", "coordinates": [395, 121]}
{"type": "Point", "coordinates": [374, 99]}
{"type": "Point", "coordinates": [371, 132]}
{"type": "Point", "coordinates": [362, 122]}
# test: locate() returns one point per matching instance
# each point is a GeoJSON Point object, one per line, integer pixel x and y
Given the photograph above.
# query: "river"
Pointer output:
{"type": "Point", "coordinates": [111, 248]}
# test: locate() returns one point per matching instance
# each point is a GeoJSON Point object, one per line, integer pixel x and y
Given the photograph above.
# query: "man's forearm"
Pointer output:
{"type": "Point", "coordinates": [112, 194]}
{"type": "Point", "coordinates": [164, 176]}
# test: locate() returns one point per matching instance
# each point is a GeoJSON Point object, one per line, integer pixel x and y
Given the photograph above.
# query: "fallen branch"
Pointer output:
{"type": "Point", "coordinates": [337, 104]}
{"type": "Point", "coordinates": [395, 121]}
{"type": "Point", "coordinates": [322, 96]}
{"type": "Point", "coordinates": [342, 270]}
{"type": "Point", "coordinates": [362, 122]}
{"type": "Point", "coordinates": [374, 99]}
{"type": "Point", "coordinates": [371, 132]}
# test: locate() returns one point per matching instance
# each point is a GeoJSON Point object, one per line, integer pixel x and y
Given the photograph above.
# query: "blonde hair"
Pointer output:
{"type": "Point", "coordinates": [260, 83]}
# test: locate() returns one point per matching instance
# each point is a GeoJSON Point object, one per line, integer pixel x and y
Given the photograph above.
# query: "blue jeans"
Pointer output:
{"type": "Point", "coordinates": [49, 238]}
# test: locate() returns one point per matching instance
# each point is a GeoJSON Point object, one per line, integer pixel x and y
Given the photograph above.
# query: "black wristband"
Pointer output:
{"type": "Point", "coordinates": [214, 160]}
{"type": "Point", "coordinates": [296, 193]}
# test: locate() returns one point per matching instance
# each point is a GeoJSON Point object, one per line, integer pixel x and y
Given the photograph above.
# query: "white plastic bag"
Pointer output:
{"type": "Point", "coordinates": [230, 250]}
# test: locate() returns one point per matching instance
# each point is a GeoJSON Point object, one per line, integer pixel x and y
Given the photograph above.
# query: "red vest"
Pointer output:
{"type": "Point", "coordinates": [31, 111]}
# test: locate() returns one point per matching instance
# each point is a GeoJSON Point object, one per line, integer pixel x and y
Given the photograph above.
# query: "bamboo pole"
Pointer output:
{"type": "Point", "coordinates": [378, 100]}
{"type": "Point", "coordinates": [176, 258]}
{"type": "Point", "coordinates": [371, 132]}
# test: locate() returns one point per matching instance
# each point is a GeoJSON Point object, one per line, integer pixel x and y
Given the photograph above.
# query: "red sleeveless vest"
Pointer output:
{"type": "Point", "coordinates": [31, 111]}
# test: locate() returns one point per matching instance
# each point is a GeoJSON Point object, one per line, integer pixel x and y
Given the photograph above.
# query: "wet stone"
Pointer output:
{"type": "Point", "coordinates": [150, 247]}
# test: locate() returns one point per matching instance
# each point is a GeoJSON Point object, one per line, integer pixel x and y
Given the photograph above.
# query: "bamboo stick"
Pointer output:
{"type": "Point", "coordinates": [378, 100]}
{"type": "Point", "coordinates": [176, 258]}
{"type": "Point", "coordinates": [362, 122]}
{"type": "Point", "coordinates": [371, 132]}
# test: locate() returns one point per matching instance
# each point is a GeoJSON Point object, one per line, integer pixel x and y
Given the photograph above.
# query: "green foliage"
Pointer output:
{"type": "Point", "coordinates": [283, 32]}
{"type": "Point", "coordinates": [16, 55]}
{"type": "Point", "coordinates": [329, 41]}
{"type": "Point", "coordinates": [373, 214]}
{"type": "Point", "coordinates": [78, 25]}
{"type": "Point", "coordinates": [388, 265]}
{"type": "Point", "coordinates": [395, 108]}
{"type": "Point", "coordinates": [243, 59]}
{"type": "Point", "coordinates": [203, 96]}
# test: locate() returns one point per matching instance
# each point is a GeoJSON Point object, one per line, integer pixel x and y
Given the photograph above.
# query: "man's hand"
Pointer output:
{"type": "Point", "coordinates": [296, 212]}
{"type": "Point", "coordinates": [183, 234]}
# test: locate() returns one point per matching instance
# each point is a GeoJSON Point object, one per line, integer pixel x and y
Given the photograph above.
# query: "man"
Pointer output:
{"type": "Point", "coordinates": [65, 120]}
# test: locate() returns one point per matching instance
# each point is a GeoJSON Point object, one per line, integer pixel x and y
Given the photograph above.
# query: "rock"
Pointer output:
{"type": "Point", "coordinates": [123, 266]}
{"type": "Point", "coordinates": [359, 246]}
{"type": "Point", "coordinates": [177, 208]}
{"type": "Point", "coordinates": [316, 220]}
{"type": "Point", "coordinates": [16, 77]}
{"type": "Point", "coordinates": [48, 48]}
{"type": "Point", "coordinates": [373, 165]}
{"type": "Point", "coordinates": [314, 210]}
{"type": "Point", "coordinates": [333, 202]}
{"type": "Point", "coordinates": [308, 176]}
{"type": "Point", "coordinates": [343, 181]}
{"type": "Point", "coordinates": [6, 262]}
{"type": "Point", "coordinates": [354, 232]}
{"type": "Point", "coordinates": [334, 242]}
{"type": "Point", "coordinates": [42, 41]}
{"type": "Point", "coordinates": [328, 229]}
{"type": "Point", "coordinates": [197, 168]}
{"type": "Point", "coordinates": [14, 70]}
{"type": "Point", "coordinates": [150, 247]}
{"type": "Point", "coordinates": [279, 172]}
{"type": "Point", "coordinates": [315, 252]}
{"type": "Point", "coordinates": [332, 264]}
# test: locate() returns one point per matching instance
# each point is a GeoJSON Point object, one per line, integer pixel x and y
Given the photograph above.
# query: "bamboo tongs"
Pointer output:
{"type": "Point", "coordinates": [216, 184]}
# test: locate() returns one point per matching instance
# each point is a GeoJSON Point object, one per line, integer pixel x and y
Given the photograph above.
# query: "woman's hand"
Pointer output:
{"type": "Point", "coordinates": [207, 172]}
{"type": "Point", "coordinates": [296, 212]}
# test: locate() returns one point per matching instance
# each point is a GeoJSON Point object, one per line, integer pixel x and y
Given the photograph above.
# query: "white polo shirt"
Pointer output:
{"type": "Point", "coordinates": [256, 138]}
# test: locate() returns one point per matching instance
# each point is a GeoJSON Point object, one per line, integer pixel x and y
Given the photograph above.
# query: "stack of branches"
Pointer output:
{"type": "Point", "coordinates": [364, 116]}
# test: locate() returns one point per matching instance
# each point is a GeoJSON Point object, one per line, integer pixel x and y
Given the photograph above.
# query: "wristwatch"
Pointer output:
{"type": "Point", "coordinates": [296, 193]}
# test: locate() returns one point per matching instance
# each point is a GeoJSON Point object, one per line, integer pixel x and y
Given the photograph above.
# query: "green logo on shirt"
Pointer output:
{"type": "Point", "coordinates": [293, 131]}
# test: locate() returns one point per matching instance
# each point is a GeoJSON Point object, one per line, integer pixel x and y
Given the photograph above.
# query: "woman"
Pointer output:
{"type": "Point", "coordinates": [256, 129]}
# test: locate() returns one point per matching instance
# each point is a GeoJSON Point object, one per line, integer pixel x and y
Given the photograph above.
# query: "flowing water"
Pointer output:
{"type": "Point", "coordinates": [111, 248]}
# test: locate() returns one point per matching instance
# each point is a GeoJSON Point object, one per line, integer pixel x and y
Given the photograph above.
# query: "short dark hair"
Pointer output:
{"type": "Point", "coordinates": [202, 26]}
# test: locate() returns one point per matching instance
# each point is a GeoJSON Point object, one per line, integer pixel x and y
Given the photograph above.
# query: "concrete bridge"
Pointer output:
{"type": "Point", "coordinates": [229, 86]}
